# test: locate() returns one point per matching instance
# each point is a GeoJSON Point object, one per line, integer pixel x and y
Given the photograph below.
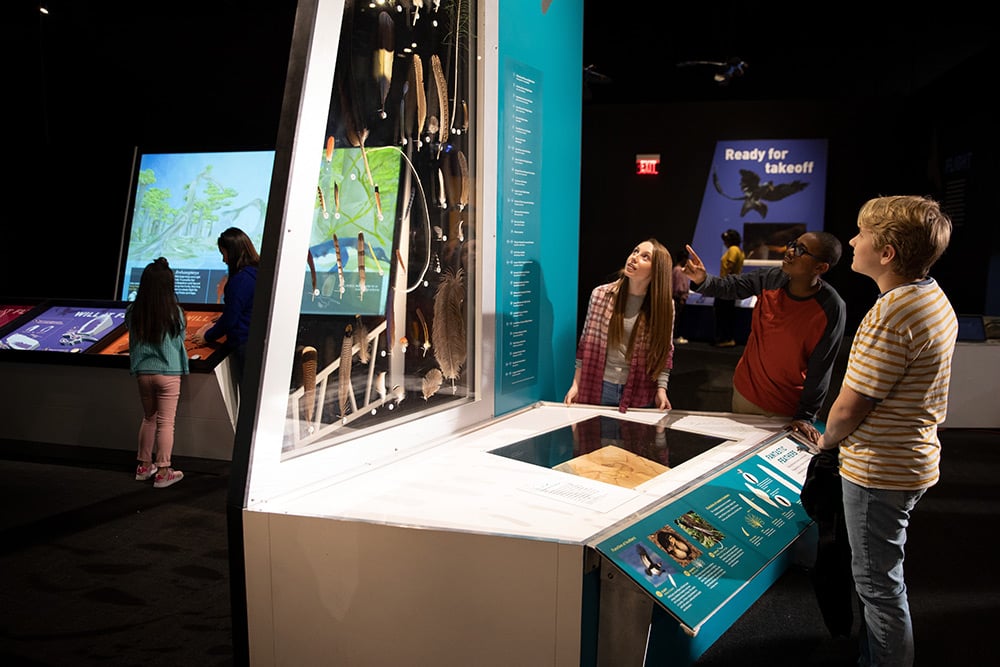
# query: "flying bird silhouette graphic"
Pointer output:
{"type": "Point", "coordinates": [756, 192]}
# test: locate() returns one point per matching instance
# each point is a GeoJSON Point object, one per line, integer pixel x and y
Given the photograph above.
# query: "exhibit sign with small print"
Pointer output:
{"type": "Point", "coordinates": [771, 191]}
{"type": "Point", "coordinates": [697, 552]}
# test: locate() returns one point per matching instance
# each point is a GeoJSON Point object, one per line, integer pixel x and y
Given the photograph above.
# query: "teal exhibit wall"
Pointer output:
{"type": "Point", "coordinates": [538, 199]}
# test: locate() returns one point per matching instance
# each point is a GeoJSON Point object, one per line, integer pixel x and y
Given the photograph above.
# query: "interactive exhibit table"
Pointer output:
{"type": "Point", "coordinates": [553, 535]}
{"type": "Point", "coordinates": [66, 379]}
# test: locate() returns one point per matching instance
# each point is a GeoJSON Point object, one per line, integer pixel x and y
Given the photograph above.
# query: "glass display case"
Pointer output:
{"type": "Point", "coordinates": [381, 220]}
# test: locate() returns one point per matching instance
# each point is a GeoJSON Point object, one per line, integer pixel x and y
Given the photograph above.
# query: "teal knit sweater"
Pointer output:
{"type": "Point", "coordinates": [166, 358]}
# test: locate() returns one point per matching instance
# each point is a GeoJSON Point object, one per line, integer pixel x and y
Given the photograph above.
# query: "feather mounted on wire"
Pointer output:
{"type": "Point", "coordinates": [416, 100]}
{"type": "Point", "coordinates": [441, 86]}
{"type": "Point", "coordinates": [308, 357]}
{"type": "Point", "coordinates": [340, 264]}
{"type": "Point", "coordinates": [431, 383]}
{"type": "Point", "coordinates": [361, 266]}
{"type": "Point", "coordinates": [449, 325]}
{"type": "Point", "coordinates": [361, 335]}
{"type": "Point", "coordinates": [344, 388]}
{"type": "Point", "coordinates": [427, 335]}
{"type": "Point", "coordinates": [433, 126]}
{"type": "Point", "coordinates": [442, 190]}
{"type": "Point", "coordinates": [312, 273]}
{"type": "Point", "coordinates": [463, 169]}
{"type": "Point", "coordinates": [384, 53]}
{"type": "Point", "coordinates": [456, 178]}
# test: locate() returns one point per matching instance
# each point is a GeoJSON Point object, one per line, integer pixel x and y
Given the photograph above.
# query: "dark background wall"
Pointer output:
{"type": "Point", "coordinates": [897, 145]}
{"type": "Point", "coordinates": [900, 95]}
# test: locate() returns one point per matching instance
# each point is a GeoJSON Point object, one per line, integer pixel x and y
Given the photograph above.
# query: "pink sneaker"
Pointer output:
{"type": "Point", "coordinates": [165, 479]}
{"type": "Point", "coordinates": [144, 472]}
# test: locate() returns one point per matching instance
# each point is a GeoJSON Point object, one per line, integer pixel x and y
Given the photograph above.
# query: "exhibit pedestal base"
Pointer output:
{"type": "Point", "coordinates": [89, 406]}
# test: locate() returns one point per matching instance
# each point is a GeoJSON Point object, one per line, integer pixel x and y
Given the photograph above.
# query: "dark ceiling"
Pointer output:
{"type": "Point", "coordinates": [793, 50]}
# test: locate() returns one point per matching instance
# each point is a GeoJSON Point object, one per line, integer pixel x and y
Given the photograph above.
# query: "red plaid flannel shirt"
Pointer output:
{"type": "Point", "coordinates": [640, 389]}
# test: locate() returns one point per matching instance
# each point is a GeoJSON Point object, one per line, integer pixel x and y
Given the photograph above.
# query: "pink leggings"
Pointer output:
{"type": "Point", "coordinates": [159, 395]}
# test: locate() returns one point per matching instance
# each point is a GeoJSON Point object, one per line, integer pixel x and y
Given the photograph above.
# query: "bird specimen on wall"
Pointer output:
{"type": "Point", "coordinates": [724, 71]}
{"type": "Point", "coordinates": [756, 192]}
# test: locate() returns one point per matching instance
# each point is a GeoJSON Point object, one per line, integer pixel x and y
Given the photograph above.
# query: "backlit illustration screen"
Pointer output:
{"type": "Point", "coordinates": [354, 222]}
{"type": "Point", "coordinates": [181, 202]}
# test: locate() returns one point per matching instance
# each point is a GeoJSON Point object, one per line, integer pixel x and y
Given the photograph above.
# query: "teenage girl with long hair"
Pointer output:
{"type": "Point", "coordinates": [626, 349]}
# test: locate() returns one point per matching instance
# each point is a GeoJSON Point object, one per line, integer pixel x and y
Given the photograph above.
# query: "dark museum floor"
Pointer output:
{"type": "Point", "coordinates": [99, 569]}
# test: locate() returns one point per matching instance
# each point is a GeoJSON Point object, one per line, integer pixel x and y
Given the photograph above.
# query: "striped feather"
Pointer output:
{"type": "Point", "coordinates": [344, 372]}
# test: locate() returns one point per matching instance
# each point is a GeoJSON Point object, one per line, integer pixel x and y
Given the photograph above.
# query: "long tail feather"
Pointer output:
{"type": "Point", "coordinates": [418, 106]}
{"type": "Point", "coordinates": [384, 54]}
{"type": "Point", "coordinates": [441, 84]}
{"type": "Point", "coordinates": [361, 266]}
{"type": "Point", "coordinates": [344, 372]}
{"type": "Point", "coordinates": [340, 264]}
{"type": "Point", "coordinates": [309, 380]}
{"type": "Point", "coordinates": [361, 335]}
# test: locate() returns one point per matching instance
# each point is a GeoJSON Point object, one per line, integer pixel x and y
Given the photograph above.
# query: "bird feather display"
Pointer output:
{"type": "Point", "coordinates": [340, 264]}
{"type": "Point", "coordinates": [361, 266]}
{"type": "Point", "coordinates": [384, 55]}
{"type": "Point", "coordinates": [449, 330]}
{"type": "Point", "coordinates": [312, 273]}
{"type": "Point", "coordinates": [416, 103]}
{"type": "Point", "coordinates": [361, 335]}
{"type": "Point", "coordinates": [441, 92]}
{"type": "Point", "coordinates": [431, 383]}
{"type": "Point", "coordinates": [309, 380]}
{"type": "Point", "coordinates": [344, 388]}
{"type": "Point", "coordinates": [427, 336]}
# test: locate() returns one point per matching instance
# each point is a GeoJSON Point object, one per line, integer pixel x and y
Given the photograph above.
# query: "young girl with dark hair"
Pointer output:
{"type": "Point", "coordinates": [157, 359]}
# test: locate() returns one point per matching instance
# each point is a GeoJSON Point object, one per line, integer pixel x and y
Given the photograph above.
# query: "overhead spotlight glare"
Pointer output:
{"type": "Point", "coordinates": [43, 9]}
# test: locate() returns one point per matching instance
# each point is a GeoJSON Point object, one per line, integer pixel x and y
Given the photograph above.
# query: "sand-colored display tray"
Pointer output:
{"type": "Point", "coordinates": [613, 465]}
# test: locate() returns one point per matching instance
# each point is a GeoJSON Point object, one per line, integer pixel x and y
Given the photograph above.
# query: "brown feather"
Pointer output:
{"type": "Point", "coordinates": [361, 265]}
{"type": "Point", "coordinates": [441, 84]}
{"type": "Point", "coordinates": [419, 103]}
{"type": "Point", "coordinates": [361, 335]}
{"type": "Point", "coordinates": [309, 379]}
{"type": "Point", "coordinates": [449, 330]}
{"type": "Point", "coordinates": [431, 383]}
{"type": "Point", "coordinates": [427, 335]}
{"type": "Point", "coordinates": [463, 168]}
{"type": "Point", "coordinates": [382, 63]}
{"type": "Point", "coordinates": [344, 372]}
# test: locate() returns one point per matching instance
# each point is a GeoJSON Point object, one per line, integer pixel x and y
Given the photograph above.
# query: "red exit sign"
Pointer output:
{"type": "Point", "coordinates": [647, 164]}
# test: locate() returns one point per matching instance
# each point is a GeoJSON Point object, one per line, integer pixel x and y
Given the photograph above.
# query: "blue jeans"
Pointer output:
{"type": "Point", "coordinates": [876, 529]}
{"type": "Point", "coordinates": [611, 394]}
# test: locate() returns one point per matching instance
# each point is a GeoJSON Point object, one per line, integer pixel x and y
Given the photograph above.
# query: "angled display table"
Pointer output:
{"type": "Point", "coordinates": [485, 547]}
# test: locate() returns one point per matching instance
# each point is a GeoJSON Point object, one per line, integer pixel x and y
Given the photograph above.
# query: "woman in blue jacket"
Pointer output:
{"type": "Point", "coordinates": [241, 257]}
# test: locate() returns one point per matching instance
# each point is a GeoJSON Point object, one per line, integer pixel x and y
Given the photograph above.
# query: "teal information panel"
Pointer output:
{"type": "Point", "coordinates": [695, 553]}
